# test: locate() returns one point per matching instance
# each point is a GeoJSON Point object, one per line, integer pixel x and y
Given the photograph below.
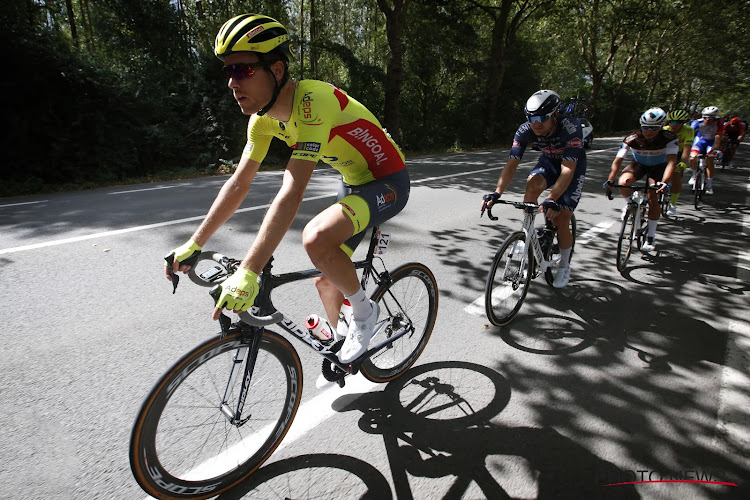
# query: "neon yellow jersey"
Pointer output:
{"type": "Point", "coordinates": [329, 126]}
{"type": "Point", "coordinates": [684, 136]}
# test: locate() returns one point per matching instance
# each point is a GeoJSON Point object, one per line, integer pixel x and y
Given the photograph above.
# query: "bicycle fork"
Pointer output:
{"type": "Point", "coordinates": [245, 357]}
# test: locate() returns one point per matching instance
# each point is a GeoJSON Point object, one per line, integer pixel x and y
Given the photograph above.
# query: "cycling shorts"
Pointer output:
{"type": "Point", "coordinates": [655, 173]}
{"type": "Point", "coordinates": [701, 145]}
{"type": "Point", "coordinates": [551, 172]}
{"type": "Point", "coordinates": [372, 204]}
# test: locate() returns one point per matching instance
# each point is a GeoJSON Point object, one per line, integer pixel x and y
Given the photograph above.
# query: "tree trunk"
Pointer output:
{"type": "Point", "coordinates": [394, 19]}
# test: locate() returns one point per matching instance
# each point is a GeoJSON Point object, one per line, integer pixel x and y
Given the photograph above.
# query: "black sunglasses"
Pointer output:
{"type": "Point", "coordinates": [651, 127]}
{"type": "Point", "coordinates": [239, 71]}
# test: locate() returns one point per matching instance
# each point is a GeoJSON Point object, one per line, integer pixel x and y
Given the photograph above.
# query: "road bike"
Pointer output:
{"type": "Point", "coordinates": [220, 411]}
{"type": "Point", "coordinates": [699, 186]}
{"type": "Point", "coordinates": [516, 263]}
{"type": "Point", "coordinates": [634, 220]}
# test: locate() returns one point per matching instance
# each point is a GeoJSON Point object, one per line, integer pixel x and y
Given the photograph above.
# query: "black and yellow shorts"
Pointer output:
{"type": "Point", "coordinates": [372, 204]}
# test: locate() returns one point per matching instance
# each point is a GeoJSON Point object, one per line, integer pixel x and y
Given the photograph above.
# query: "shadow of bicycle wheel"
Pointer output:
{"type": "Point", "coordinates": [314, 476]}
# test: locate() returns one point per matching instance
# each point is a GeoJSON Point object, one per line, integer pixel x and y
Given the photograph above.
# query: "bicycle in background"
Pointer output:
{"type": "Point", "coordinates": [524, 255]}
{"type": "Point", "coordinates": [635, 219]}
{"type": "Point", "coordinates": [220, 412]}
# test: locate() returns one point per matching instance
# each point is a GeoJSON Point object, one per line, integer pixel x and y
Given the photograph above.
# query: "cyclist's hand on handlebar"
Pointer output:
{"type": "Point", "coordinates": [238, 292]}
{"type": "Point", "coordinates": [550, 204]}
{"type": "Point", "coordinates": [490, 198]}
{"type": "Point", "coordinates": [182, 258]}
{"type": "Point", "coordinates": [662, 187]}
{"type": "Point", "coordinates": [608, 188]}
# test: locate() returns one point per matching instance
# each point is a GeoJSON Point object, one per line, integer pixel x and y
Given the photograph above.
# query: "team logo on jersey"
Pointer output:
{"type": "Point", "coordinates": [516, 144]}
{"type": "Point", "coordinates": [576, 142]}
{"type": "Point", "coordinates": [388, 197]}
{"type": "Point", "coordinates": [308, 146]}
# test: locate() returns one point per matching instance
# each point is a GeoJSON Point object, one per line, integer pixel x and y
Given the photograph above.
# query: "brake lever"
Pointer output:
{"type": "Point", "coordinates": [175, 279]}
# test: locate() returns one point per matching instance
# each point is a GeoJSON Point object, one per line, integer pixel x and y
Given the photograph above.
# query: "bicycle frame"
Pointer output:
{"type": "Point", "coordinates": [255, 324]}
{"type": "Point", "coordinates": [529, 229]}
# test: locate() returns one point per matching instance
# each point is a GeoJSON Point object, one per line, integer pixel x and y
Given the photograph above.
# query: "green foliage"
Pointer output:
{"type": "Point", "coordinates": [117, 90]}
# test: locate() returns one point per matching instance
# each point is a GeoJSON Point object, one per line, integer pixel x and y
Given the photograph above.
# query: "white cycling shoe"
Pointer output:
{"type": "Point", "coordinates": [672, 210]}
{"type": "Point", "coordinates": [691, 181]}
{"type": "Point", "coordinates": [649, 246]}
{"type": "Point", "coordinates": [562, 278]}
{"type": "Point", "coordinates": [359, 336]}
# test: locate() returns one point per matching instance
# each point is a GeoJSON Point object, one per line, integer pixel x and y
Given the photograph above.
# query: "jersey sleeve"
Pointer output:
{"type": "Point", "coordinates": [258, 139]}
{"type": "Point", "coordinates": [624, 148]}
{"type": "Point", "coordinates": [520, 141]}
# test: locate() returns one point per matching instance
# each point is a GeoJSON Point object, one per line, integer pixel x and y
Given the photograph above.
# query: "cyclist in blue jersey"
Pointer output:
{"type": "Point", "coordinates": [654, 151]}
{"type": "Point", "coordinates": [561, 168]}
{"type": "Point", "coordinates": [708, 132]}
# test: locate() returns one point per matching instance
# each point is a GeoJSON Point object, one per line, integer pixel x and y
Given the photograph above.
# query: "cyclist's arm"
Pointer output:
{"type": "Point", "coordinates": [280, 215]}
{"type": "Point", "coordinates": [506, 176]}
{"type": "Point", "coordinates": [669, 169]}
{"type": "Point", "coordinates": [567, 169]}
{"type": "Point", "coordinates": [616, 164]}
{"type": "Point", "coordinates": [228, 200]}
{"type": "Point", "coordinates": [685, 153]}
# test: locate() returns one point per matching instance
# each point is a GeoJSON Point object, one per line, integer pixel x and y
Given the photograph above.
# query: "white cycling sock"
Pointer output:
{"type": "Point", "coordinates": [652, 228]}
{"type": "Point", "coordinates": [565, 257]}
{"type": "Point", "coordinates": [361, 307]}
{"type": "Point", "coordinates": [708, 182]}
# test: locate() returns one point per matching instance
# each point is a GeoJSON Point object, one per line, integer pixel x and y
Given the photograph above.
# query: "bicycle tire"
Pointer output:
{"type": "Point", "coordinates": [183, 409]}
{"type": "Point", "coordinates": [551, 272]}
{"type": "Point", "coordinates": [698, 189]}
{"type": "Point", "coordinates": [625, 241]}
{"type": "Point", "coordinates": [642, 231]}
{"type": "Point", "coordinates": [411, 292]}
{"type": "Point", "coordinates": [504, 294]}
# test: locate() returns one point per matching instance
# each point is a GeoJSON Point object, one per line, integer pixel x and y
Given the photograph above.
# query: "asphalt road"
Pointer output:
{"type": "Point", "coordinates": [617, 378]}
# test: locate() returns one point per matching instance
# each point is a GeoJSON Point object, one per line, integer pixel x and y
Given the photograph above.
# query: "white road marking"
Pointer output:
{"type": "Point", "coordinates": [149, 189]}
{"type": "Point", "coordinates": [24, 203]}
{"type": "Point", "coordinates": [137, 228]}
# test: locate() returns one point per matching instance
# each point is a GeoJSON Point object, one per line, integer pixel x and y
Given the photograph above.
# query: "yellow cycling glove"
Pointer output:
{"type": "Point", "coordinates": [238, 292]}
{"type": "Point", "coordinates": [183, 253]}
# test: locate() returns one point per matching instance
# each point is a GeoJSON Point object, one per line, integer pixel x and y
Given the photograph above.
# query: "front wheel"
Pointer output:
{"type": "Point", "coordinates": [625, 242]}
{"type": "Point", "coordinates": [698, 188]}
{"type": "Point", "coordinates": [408, 299]}
{"type": "Point", "coordinates": [553, 253]}
{"type": "Point", "coordinates": [184, 446]}
{"type": "Point", "coordinates": [508, 280]}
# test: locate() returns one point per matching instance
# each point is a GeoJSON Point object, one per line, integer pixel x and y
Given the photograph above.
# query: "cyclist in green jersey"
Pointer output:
{"type": "Point", "coordinates": [676, 121]}
{"type": "Point", "coordinates": [320, 122]}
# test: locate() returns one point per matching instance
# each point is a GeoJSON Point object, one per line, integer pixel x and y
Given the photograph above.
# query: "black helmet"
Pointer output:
{"type": "Point", "coordinates": [542, 103]}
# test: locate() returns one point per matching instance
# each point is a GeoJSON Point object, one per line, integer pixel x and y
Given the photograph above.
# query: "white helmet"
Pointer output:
{"type": "Point", "coordinates": [653, 117]}
{"type": "Point", "coordinates": [710, 112]}
{"type": "Point", "coordinates": [541, 103]}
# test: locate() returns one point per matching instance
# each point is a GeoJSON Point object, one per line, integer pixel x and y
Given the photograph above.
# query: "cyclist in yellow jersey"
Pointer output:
{"type": "Point", "coordinates": [676, 121]}
{"type": "Point", "coordinates": [321, 123]}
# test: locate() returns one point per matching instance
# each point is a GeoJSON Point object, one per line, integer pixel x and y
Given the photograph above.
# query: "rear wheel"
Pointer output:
{"type": "Point", "coordinates": [625, 242]}
{"type": "Point", "coordinates": [508, 280]}
{"type": "Point", "coordinates": [699, 187]}
{"type": "Point", "coordinates": [409, 299]}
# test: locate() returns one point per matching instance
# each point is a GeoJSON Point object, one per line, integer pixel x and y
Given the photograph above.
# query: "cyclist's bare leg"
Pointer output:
{"type": "Point", "coordinates": [534, 187]}
{"type": "Point", "coordinates": [322, 239]}
{"type": "Point", "coordinates": [654, 210]}
{"type": "Point", "coordinates": [676, 186]}
{"type": "Point", "coordinates": [562, 222]}
{"type": "Point", "coordinates": [709, 165]}
{"type": "Point", "coordinates": [627, 178]}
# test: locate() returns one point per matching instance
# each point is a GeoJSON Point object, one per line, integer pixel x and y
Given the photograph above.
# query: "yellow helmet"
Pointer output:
{"type": "Point", "coordinates": [252, 33]}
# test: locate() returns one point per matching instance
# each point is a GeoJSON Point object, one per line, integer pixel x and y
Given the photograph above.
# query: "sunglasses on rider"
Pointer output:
{"type": "Point", "coordinates": [676, 122]}
{"type": "Point", "coordinates": [540, 119]}
{"type": "Point", "coordinates": [651, 127]}
{"type": "Point", "coordinates": [709, 118]}
{"type": "Point", "coordinates": [239, 71]}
